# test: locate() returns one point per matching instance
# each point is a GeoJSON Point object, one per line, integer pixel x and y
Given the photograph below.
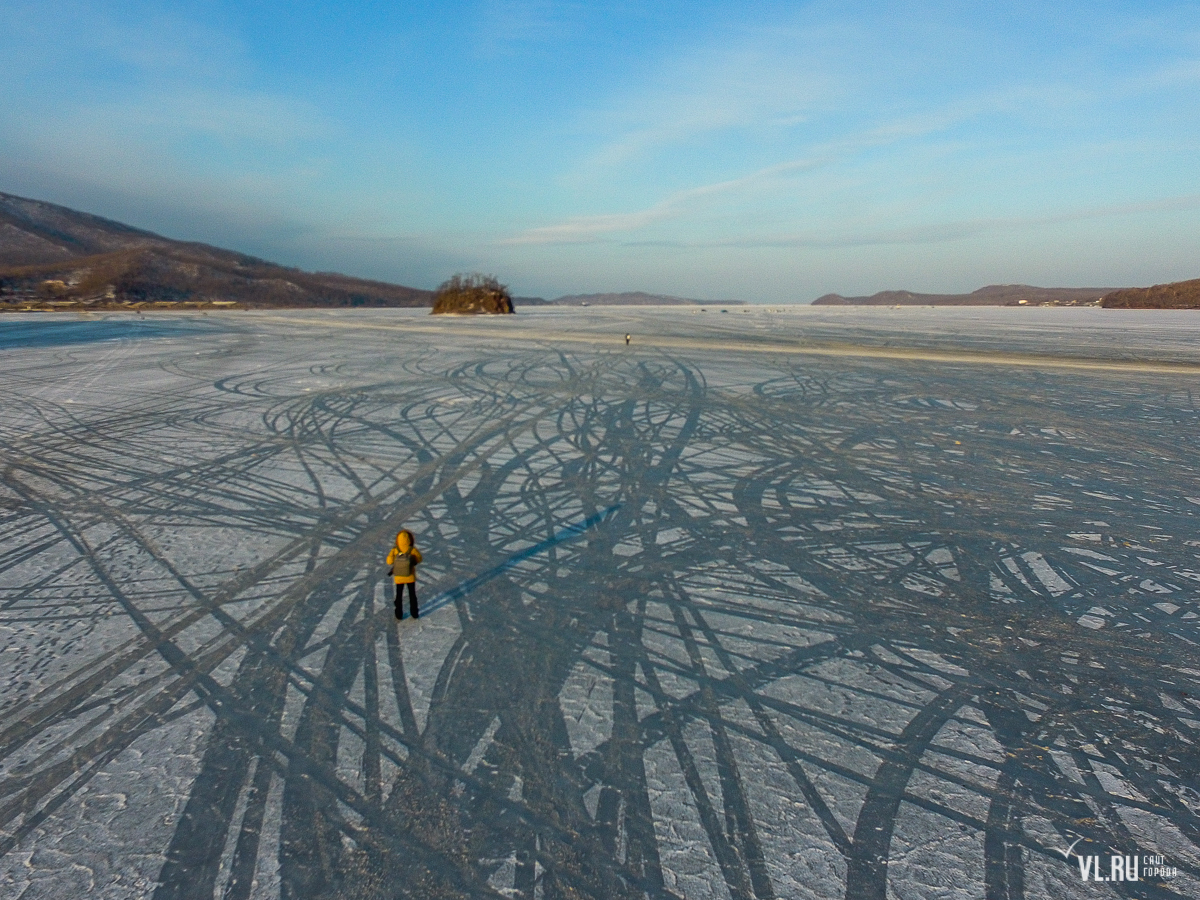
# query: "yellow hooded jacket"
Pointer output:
{"type": "Point", "coordinates": [404, 544]}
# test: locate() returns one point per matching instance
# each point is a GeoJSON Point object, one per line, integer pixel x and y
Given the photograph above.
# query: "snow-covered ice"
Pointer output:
{"type": "Point", "coordinates": [799, 603]}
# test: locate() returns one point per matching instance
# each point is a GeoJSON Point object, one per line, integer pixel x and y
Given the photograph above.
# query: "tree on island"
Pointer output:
{"type": "Point", "coordinates": [472, 294]}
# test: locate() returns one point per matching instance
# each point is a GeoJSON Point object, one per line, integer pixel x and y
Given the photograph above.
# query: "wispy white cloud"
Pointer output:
{"type": "Point", "coordinates": [584, 229]}
{"type": "Point", "coordinates": [935, 233]}
{"type": "Point", "coordinates": [74, 35]}
{"type": "Point", "coordinates": [508, 26]}
{"type": "Point", "coordinates": [590, 228]}
{"type": "Point", "coordinates": [1041, 104]}
{"type": "Point", "coordinates": [754, 83]}
{"type": "Point", "coordinates": [150, 102]}
{"type": "Point", "coordinates": [1180, 73]}
{"type": "Point", "coordinates": [174, 111]}
{"type": "Point", "coordinates": [154, 118]}
{"type": "Point", "coordinates": [821, 69]}
{"type": "Point", "coordinates": [145, 74]}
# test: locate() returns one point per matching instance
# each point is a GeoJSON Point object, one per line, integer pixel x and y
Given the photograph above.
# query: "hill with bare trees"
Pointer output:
{"type": "Point", "coordinates": [1177, 295]}
{"type": "Point", "coordinates": [52, 257]}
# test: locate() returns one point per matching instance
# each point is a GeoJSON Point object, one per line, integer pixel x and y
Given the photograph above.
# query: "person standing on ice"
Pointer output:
{"type": "Point", "coordinates": [404, 559]}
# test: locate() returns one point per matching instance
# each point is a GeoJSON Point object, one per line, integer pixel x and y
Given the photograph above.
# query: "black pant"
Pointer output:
{"type": "Point", "coordinates": [412, 600]}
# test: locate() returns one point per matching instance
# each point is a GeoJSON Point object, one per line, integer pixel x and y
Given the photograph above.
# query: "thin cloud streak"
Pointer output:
{"type": "Point", "coordinates": [1018, 99]}
{"type": "Point", "coordinates": [585, 228]}
{"type": "Point", "coordinates": [933, 234]}
{"type": "Point", "coordinates": [80, 35]}
{"type": "Point", "coordinates": [762, 81]}
{"type": "Point", "coordinates": [506, 27]}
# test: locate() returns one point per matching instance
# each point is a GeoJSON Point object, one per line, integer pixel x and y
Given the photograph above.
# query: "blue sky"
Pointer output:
{"type": "Point", "coordinates": [760, 151]}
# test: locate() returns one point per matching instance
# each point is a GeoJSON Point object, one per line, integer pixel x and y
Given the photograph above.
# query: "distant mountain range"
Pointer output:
{"type": "Point", "coordinates": [55, 257]}
{"type": "Point", "coordinates": [992, 295]}
{"type": "Point", "coordinates": [52, 256]}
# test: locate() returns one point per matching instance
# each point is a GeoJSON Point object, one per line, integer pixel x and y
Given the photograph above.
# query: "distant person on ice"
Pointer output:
{"type": "Point", "coordinates": [404, 559]}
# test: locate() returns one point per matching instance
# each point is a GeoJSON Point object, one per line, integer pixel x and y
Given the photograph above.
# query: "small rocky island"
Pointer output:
{"type": "Point", "coordinates": [469, 295]}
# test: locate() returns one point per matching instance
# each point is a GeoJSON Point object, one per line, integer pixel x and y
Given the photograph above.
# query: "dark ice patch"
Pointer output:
{"type": "Point", "coordinates": [23, 334]}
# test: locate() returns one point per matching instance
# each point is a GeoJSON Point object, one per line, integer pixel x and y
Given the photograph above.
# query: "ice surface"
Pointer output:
{"type": "Point", "coordinates": [872, 603]}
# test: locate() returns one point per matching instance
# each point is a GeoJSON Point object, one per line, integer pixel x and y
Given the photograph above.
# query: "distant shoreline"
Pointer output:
{"type": "Point", "coordinates": [1177, 295]}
